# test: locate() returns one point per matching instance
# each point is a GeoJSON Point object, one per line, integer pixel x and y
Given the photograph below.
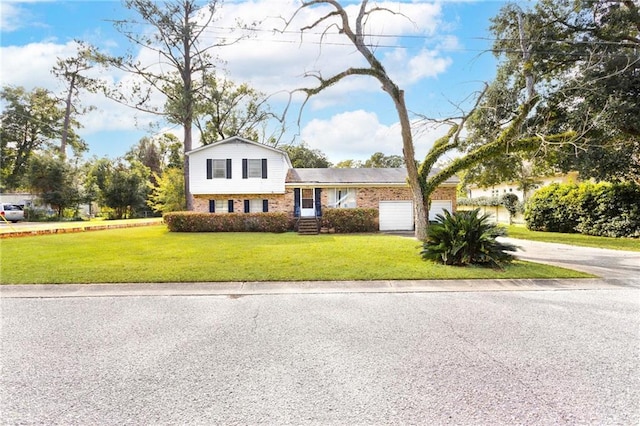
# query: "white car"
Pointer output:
{"type": "Point", "coordinates": [11, 212]}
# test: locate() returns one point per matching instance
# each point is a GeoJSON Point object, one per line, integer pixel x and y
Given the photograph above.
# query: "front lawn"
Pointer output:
{"type": "Point", "coordinates": [630, 244]}
{"type": "Point", "coordinates": [152, 254]}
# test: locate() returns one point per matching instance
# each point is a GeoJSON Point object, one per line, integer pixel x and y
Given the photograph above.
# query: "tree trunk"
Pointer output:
{"type": "Point", "coordinates": [187, 148]}
{"type": "Point", "coordinates": [420, 206]}
{"type": "Point", "coordinates": [67, 119]}
{"type": "Point", "coordinates": [187, 99]}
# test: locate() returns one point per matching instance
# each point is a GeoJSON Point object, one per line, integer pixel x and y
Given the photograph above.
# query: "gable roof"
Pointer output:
{"type": "Point", "coordinates": [359, 176]}
{"type": "Point", "coordinates": [236, 139]}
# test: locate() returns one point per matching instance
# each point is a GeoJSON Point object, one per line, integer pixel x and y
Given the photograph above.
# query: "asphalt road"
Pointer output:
{"type": "Point", "coordinates": [517, 357]}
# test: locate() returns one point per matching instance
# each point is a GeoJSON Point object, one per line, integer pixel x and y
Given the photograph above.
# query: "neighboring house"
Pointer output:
{"type": "Point", "coordinates": [474, 191]}
{"type": "Point", "coordinates": [24, 199]}
{"type": "Point", "coordinates": [498, 213]}
{"type": "Point", "coordinates": [239, 175]}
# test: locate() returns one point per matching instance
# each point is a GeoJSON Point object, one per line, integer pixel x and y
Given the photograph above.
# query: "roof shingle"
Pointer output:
{"type": "Point", "coordinates": [342, 176]}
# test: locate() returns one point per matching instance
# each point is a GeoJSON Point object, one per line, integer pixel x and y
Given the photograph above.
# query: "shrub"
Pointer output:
{"type": "Point", "coordinates": [611, 210]}
{"type": "Point", "coordinates": [40, 215]}
{"type": "Point", "coordinates": [604, 209]}
{"type": "Point", "coordinates": [466, 238]}
{"type": "Point", "coordinates": [227, 222]}
{"type": "Point", "coordinates": [510, 202]}
{"type": "Point", "coordinates": [479, 201]}
{"type": "Point", "coordinates": [554, 208]}
{"type": "Point", "coordinates": [350, 220]}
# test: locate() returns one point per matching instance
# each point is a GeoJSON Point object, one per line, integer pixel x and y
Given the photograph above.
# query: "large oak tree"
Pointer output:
{"type": "Point", "coordinates": [423, 177]}
{"type": "Point", "coordinates": [586, 59]}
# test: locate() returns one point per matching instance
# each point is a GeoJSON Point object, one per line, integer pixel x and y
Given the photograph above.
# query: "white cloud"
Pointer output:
{"type": "Point", "coordinates": [407, 70]}
{"type": "Point", "coordinates": [358, 134]}
{"type": "Point", "coordinates": [449, 42]}
{"type": "Point", "coordinates": [12, 17]}
{"type": "Point", "coordinates": [30, 65]}
{"type": "Point", "coordinates": [350, 135]}
{"type": "Point", "coordinates": [274, 61]}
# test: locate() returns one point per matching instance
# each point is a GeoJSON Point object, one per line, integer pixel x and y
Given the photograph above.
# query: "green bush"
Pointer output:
{"type": "Point", "coordinates": [40, 215]}
{"type": "Point", "coordinates": [611, 210]}
{"type": "Point", "coordinates": [227, 222]}
{"type": "Point", "coordinates": [466, 238]}
{"type": "Point", "coordinates": [604, 209]}
{"type": "Point", "coordinates": [554, 208]}
{"type": "Point", "coordinates": [511, 204]}
{"type": "Point", "coordinates": [479, 201]}
{"type": "Point", "coordinates": [350, 220]}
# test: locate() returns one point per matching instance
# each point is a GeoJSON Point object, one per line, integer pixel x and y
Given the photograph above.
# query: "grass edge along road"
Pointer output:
{"type": "Point", "coordinates": [153, 254]}
{"type": "Point", "coordinates": [521, 232]}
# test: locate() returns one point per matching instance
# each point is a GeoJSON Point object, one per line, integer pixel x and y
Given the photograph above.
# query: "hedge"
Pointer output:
{"type": "Point", "coordinates": [554, 208]}
{"type": "Point", "coordinates": [350, 220]}
{"type": "Point", "coordinates": [611, 211]}
{"type": "Point", "coordinates": [227, 222]}
{"type": "Point", "coordinates": [479, 201]}
{"type": "Point", "coordinates": [604, 209]}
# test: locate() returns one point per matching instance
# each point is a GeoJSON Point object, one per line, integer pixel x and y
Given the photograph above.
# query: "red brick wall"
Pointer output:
{"type": "Point", "coordinates": [366, 198]}
{"type": "Point", "coordinates": [277, 202]}
{"type": "Point", "coordinates": [370, 197]}
{"type": "Point", "coordinates": [446, 193]}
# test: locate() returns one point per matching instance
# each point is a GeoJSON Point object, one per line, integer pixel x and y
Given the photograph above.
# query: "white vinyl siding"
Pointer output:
{"type": "Point", "coordinates": [276, 170]}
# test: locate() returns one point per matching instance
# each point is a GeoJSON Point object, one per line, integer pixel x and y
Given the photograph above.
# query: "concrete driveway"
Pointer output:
{"type": "Point", "coordinates": [607, 264]}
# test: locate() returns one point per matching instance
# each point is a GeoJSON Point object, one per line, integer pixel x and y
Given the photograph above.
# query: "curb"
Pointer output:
{"type": "Point", "coordinates": [239, 289]}
{"type": "Point", "coordinates": [17, 233]}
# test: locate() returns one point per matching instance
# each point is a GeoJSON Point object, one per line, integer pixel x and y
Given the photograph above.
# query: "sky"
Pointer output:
{"type": "Point", "coordinates": [437, 52]}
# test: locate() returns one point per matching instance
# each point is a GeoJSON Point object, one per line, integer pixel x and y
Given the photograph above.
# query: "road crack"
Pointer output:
{"type": "Point", "coordinates": [255, 321]}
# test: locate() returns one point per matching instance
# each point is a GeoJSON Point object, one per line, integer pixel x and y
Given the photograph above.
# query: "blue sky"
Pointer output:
{"type": "Point", "coordinates": [438, 57]}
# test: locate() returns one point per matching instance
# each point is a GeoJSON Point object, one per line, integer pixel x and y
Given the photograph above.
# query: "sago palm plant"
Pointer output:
{"type": "Point", "coordinates": [466, 238]}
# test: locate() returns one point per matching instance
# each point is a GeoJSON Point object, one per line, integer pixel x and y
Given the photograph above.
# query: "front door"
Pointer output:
{"type": "Point", "coordinates": [307, 202]}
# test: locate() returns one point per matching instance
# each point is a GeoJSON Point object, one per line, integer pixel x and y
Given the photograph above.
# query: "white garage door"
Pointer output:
{"type": "Point", "coordinates": [396, 215]}
{"type": "Point", "coordinates": [437, 207]}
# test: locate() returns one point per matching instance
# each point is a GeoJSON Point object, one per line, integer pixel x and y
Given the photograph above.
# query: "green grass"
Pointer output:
{"type": "Point", "coordinates": [152, 254]}
{"type": "Point", "coordinates": [630, 244]}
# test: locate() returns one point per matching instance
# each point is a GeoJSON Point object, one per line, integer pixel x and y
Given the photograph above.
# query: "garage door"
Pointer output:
{"type": "Point", "coordinates": [437, 207]}
{"type": "Point", "coordinates": [396, 215]}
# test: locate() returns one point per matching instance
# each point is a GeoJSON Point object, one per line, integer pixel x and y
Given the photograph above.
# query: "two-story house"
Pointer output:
{"type": "Point", "coordinates": [239, 175]}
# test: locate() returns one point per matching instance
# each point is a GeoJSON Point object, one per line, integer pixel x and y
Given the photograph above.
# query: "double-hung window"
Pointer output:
{"type": "Point", "coordinates": [342, 198]}
{"type": "Point", "coordinates": [218, 169]}
{"type": "Point", "coordinates": [256, 206]}
{"type": "Point", "coordinates": [220, 206]}
{"type": "Point", "coordinates": [254, 168]}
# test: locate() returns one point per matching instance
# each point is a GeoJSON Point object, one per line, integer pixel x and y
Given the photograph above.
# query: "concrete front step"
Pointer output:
{"type": "Point", "coordinates": [308, 226]}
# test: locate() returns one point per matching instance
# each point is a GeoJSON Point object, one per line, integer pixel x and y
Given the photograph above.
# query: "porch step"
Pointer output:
{"type": "Point", "coordinates": [308, 226]}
